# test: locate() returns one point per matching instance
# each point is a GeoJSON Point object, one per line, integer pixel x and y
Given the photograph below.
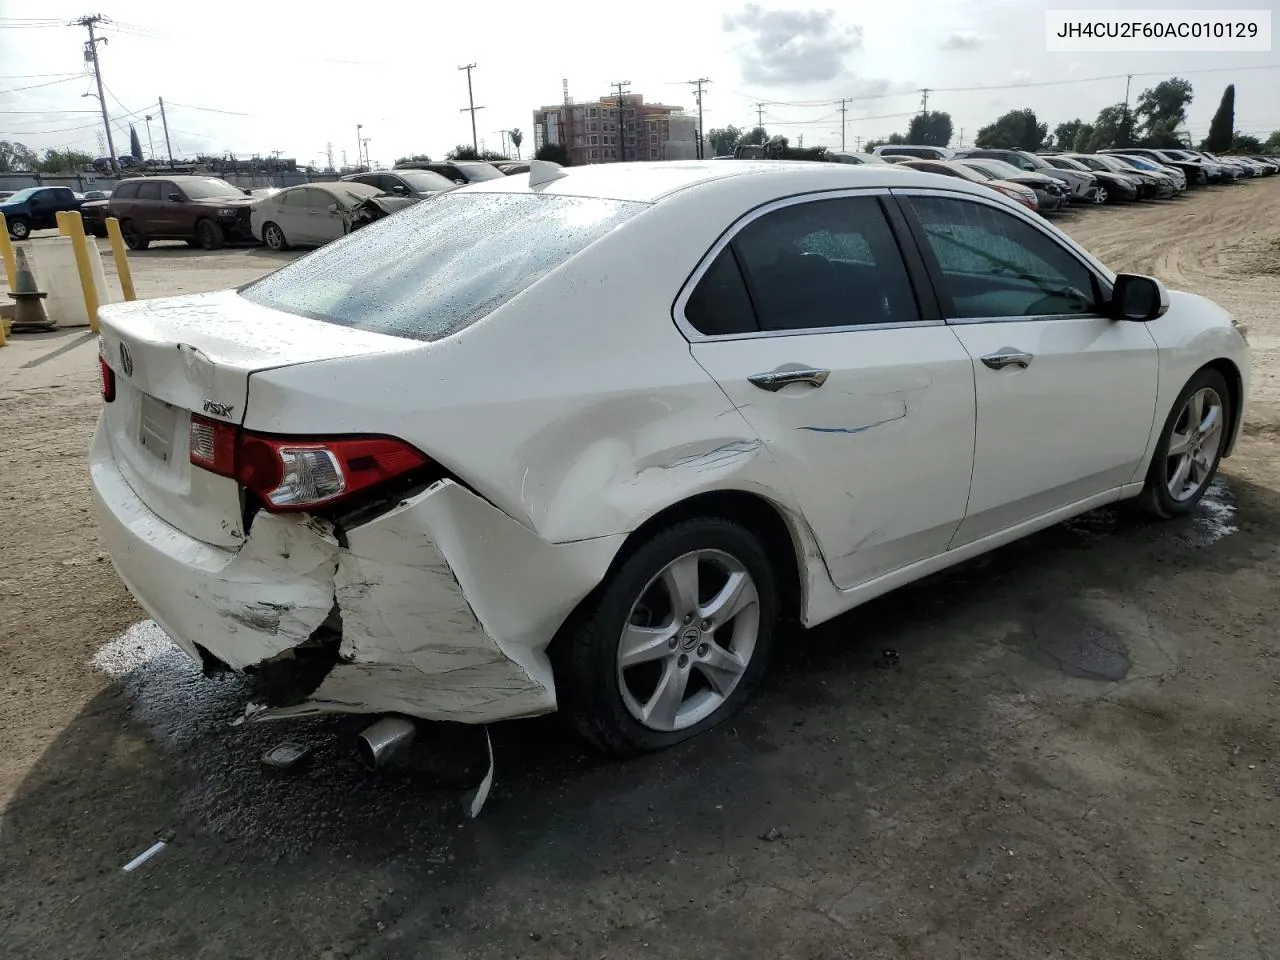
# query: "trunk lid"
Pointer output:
{"type": "Point", "coordinates": [194, 354]}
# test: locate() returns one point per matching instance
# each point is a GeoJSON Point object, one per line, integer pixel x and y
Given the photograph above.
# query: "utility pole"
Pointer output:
{"type": "Point", "coordinates": [150, 145]}
{"type": "Point", "coordinates": [328, 152]}
{"type": "Point", "coordinates": [471, 108]}
{"type": "Point", "coordinates": [857, 144]}
{"type": "Point", "coordinates": [1128, 125]}
{"type": "Point", "coordinates": [620, 87]}
{"type": "Point", "coordinates": [961, 143]}
{"type": "Point", "coordinates": [503, 134]}
{"type": "Point", "coordinates": [163, 120]}
{"type": "Point", "coordinates": [760, 115]}
{"type": "Point", "coordinates": [365, 144]}
{"type": "Point", "coordinates": [698, 83]}
{"type": "Point", "coordinates": [924, 100]}
{"type": "Point", "coordinates": [91, 54]}
{"type": "Point", "coordinates": [359, 146]}
{"type": "Point", "coordinates": [843, 110]}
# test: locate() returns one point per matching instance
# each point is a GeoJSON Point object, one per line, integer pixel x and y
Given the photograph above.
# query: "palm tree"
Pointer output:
{"type": "Point", "coordinates": [517, 138]}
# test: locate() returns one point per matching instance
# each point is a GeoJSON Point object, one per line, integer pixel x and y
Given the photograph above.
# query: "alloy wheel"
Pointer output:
{"type": "Point", "coordinates": [689, 639]}
{"type": "Point", "coordinates": [1101, 195]}
{"type": "Point", "coordinates": [1194, 444]}
{"type": "Point", "coordinates": [19, 229]}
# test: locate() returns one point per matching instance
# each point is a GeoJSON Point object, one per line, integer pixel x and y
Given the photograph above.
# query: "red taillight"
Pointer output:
{"type": "Point", "coordinates": [299, 473]}
{"type": "Point", "coordinates": [108, 380]}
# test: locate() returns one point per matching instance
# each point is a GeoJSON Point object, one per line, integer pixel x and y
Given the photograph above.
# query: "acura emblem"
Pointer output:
{"type": "Point", "coordinates": [126, 361]}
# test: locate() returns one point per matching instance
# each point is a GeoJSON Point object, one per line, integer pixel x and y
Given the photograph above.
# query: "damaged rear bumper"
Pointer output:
{"type": "Point", "coordinates": [440, 608]}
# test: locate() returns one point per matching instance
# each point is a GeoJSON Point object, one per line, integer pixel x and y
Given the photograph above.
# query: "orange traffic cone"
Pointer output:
{"type": "Point", "coordinates": [29, 311]}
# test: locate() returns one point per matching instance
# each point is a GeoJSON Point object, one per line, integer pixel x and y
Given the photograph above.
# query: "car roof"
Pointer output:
{"type": "Point", "coordinates": [649, 182]}
{"type": "Point", "coordinates": [334, 186]}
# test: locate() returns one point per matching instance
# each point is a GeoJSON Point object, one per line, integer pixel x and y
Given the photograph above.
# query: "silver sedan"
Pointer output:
{"type": "Point", "coordinates": [310, 214]}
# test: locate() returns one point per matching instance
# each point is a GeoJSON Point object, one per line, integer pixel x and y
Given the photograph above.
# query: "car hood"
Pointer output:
{"type": "Point", "coordinates": [226, 201]}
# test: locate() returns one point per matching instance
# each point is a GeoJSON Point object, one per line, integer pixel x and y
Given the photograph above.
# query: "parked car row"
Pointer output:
{"type": "Point", "coordinates": [209, 212]}
{"type": "Point", "coordinates": [1060, 178]}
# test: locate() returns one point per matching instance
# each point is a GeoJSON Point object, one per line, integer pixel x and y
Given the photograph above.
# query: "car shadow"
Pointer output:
{"type": "Point", "coordinates": [886, 698]}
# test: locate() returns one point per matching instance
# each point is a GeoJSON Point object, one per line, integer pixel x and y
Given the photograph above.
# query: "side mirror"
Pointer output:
{"type": "Point", "coordinates": [1138, 298]}
{"type": "Point", "coordinates": [333, 208]}
{"type": "Point", "coordinates": [177, 197]}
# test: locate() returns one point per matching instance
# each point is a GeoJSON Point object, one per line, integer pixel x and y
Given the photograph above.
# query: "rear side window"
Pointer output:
{"type": "Point", "coordinates": [825, 263]}
{"type": "Point", "coordinates": [436, 267]}
{"type": "Point", "coordinates": [149, 190]}
{"type": "Point", "coordinates": [719, 304]}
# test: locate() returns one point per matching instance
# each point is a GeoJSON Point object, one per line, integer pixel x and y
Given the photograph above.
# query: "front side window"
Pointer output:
{"type": "Point", "coordinates": [149, 190]}
{"type": "Point", "coordinates": [436, 267]}
{"type": "Point", "coordinates": [825, 263]}
{"type": "Point", "coordinates": [994, 264]}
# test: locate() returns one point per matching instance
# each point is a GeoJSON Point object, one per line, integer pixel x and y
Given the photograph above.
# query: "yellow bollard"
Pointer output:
{"type": "Point", "coordinates": [122, 258]}
{"type": "Point", "coordinates": [6, 248]}
{"type": "Point", "coordinates": [71, 224]}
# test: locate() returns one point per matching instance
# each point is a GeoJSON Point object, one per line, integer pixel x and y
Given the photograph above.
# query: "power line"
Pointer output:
{"type": "Point", "coordinates": [232, 113]}
{"type": "Point", "coordinates": [47, 83]}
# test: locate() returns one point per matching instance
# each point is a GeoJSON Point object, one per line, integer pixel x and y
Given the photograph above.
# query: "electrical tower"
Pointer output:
{"type": "Point", "coordinates": [471, 107]}
{"type": "Point", "coordinates": [328, 152]}
{"type": "Point", "coordinates": [91, 55]}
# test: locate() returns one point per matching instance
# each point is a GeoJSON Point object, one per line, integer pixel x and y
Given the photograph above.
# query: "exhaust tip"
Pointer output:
{"type": "Point", "coordinates": [380, 741]}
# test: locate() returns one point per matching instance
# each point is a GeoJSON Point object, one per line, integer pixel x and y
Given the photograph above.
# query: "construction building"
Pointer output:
{"type": "Point", "coordinates": [591, 131]}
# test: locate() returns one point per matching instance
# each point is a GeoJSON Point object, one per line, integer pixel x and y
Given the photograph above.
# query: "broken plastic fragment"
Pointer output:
{"type": "Point", "coordinates": [481, 793]}
{"type": "Point", "coordinates": [144, 856]}
{"type": "Point", "coordinates": [286, 755]}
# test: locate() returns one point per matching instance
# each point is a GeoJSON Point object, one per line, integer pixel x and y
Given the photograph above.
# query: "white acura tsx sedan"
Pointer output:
{"type": "Point", "coordinates": [577, 439]}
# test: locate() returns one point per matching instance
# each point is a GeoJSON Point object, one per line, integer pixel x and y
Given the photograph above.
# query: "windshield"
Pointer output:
{"type": "Point", "coordinates": [436, 267]}
{"type": "Point", "coordinates": [209, 188]}
{"type": "Point", "coordinates": [475, 172]}
{"type": "Point", "coordinates": [979, 171]}
{"type": "Point", "coordinates": [424, 181]}
{"type": "Point", "coordinates": [1000, 169]}
{"type": "Point", "coordinates": [21, 195]}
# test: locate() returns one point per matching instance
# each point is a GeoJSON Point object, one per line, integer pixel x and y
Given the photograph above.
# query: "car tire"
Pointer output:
{"type": "Point", "coordinates": [708, 666]}
{"type": "Point", "coordinates": [1197, 455]}
{"type": "Point", "coordinates": [1101, 196]}
{"type": "Point", "coordinates": [210, 235]}
{"type": "Point", "coordinates": [273, 237]}
{"type": "Point", "coordinates": [19, 228]}
{"type": "Point", "coordinates": [134, 238]}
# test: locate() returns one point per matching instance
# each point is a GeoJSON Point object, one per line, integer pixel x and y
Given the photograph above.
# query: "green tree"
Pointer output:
{"type": "Point", "coordinates": [1065, 134]}
{"type": "Point", "coordinates": [1016, 130]}
{"type": "Point", "coordinates": [555, 152]}
{"type": "Point", "coordinates": [1161, 110]}
{"type": "Point", "coordinates": [463, 151]}
{"type": "Point", "coordinates": [723, 140]}
{"type": "Point", "coordinates": [63, 161]}
{"type": "Point", "coordinates": [416, 158]}
{"type": "Point", "coordinates": [754, 137]}
{"type": "Point", "coordinates": [17, 157]}
{"type": "Point", "coordinates": [931, 129]}
{"type": "Point", "coordinates": [1223, 123]}
{"type": "Point", "coordinates": [1272, 144]}
{"type": "Point", "coordinates": [1113, 128]}
{"type": "Point", "coordinates": [1244, 143]}
{"type": "Point", "coordinates": [135, 145]}
{"type": "Point", "coordinates": [517, 138]}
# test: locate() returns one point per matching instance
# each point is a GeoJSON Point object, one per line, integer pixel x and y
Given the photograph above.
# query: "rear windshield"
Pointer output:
{"type": "Point", "coordinates": [435, 267]}
{"type": "Point", "coordinates": [475, 172]}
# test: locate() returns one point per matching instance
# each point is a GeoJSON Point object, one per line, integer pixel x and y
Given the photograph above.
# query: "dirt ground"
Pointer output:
{"type": "Point", "coordinates": [1074, 754]}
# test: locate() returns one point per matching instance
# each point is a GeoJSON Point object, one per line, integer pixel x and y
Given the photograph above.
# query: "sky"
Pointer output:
{"type": "Point", "coordinates": [297, 79]}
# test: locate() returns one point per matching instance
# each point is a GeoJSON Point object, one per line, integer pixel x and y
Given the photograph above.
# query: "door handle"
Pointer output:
{"type": "Point", "coordinates": [1007, 358]}
{"type": "Point", "coordinates": [777, 379]}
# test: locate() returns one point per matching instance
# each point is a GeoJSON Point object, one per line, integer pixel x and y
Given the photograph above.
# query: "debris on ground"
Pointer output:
{"type": "Point", "coordinates": [144, 856]}
{"type": "Point", "coordinates": [286, 756]}
{"type": "Point", "coordinates": [477, 797]}
{"type": "Point", "coordinates": [775, 833]}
